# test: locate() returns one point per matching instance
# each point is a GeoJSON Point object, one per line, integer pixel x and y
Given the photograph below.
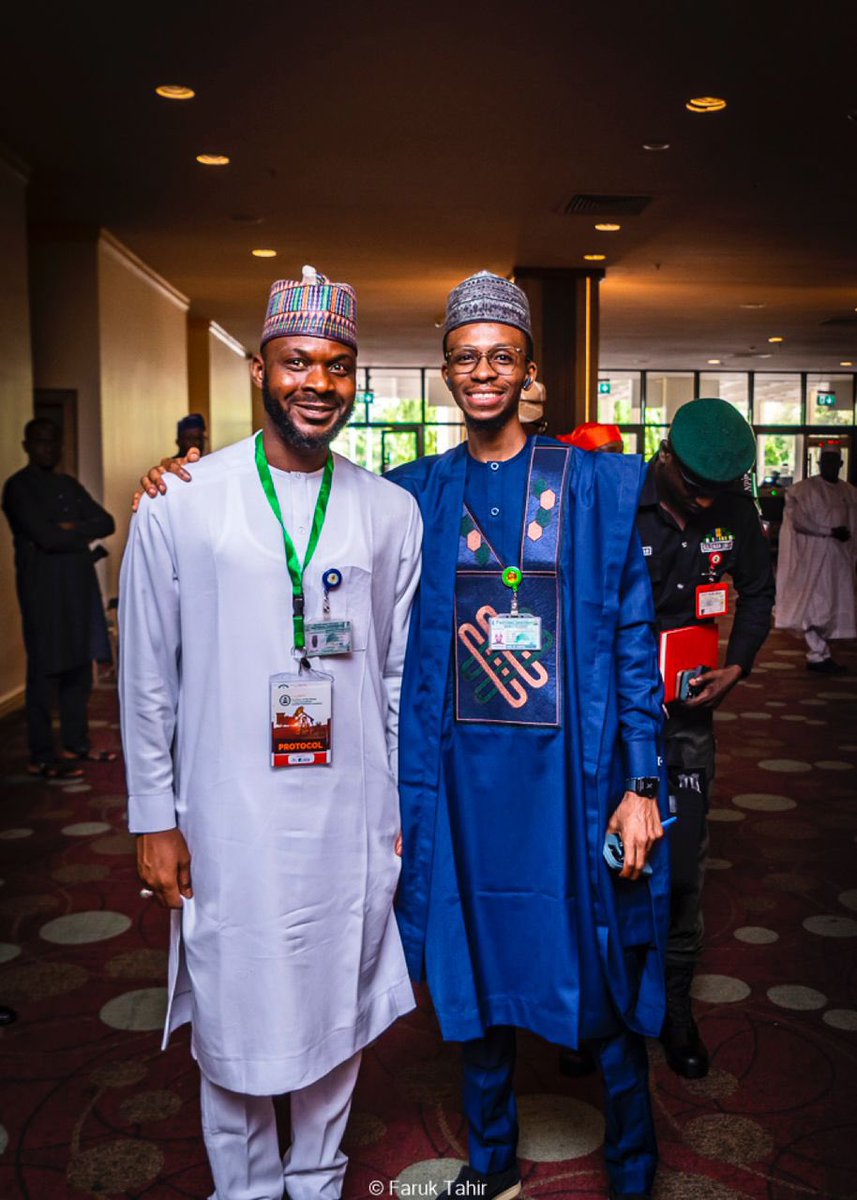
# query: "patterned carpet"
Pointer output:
{"type": "Point", "coordinates": [90, 1107]}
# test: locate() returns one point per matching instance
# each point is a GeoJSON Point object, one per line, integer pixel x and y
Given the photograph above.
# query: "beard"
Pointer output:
{"type": "Point", "coordinates": [289, 432]}
{"type": "Point", "coordinates": [491, 424]}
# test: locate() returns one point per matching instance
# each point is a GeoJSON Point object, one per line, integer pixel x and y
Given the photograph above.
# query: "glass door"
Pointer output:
{"type": "Point", "coordinates": [401, 445]}
{"type": "Point", "coordinates": [816, 442]}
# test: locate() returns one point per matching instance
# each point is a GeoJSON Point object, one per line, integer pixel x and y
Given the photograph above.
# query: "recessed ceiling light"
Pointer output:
{"type": "Point", "coordinates": [848, 363]}
{"type": "Point", "coordinates": [751, 305]}
{"type": "Point", "coordinates": [213, 160]}
{"type": "Point", "coordinates": [595, 257]}
{"type": "Point", "coordinates": [705, 104]}
{"type": "Point", "coordinates": [175, 91]}
{"type": "Point", "coordinates": [607, 227]}
{"type": "Point", "coordinates": [656, 145]}
{"type": "Point", "coordinates": [764, 356]}
{"type": "Point", "coordinates": [775, 339]}
{"type": "Point", "coordinates": [713, 362]}
{"type": "Point", "coordinates": [264, 253]}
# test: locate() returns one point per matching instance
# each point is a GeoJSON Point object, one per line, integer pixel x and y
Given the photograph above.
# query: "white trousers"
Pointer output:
{"type": "Point", "coordinates": [240, 1135]}
{"type": "Point", "coordinates": [816, 646]}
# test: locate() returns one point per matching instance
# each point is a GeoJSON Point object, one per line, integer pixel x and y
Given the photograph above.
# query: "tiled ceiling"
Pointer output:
{"type": "Point", "coordinates": [402, 146]}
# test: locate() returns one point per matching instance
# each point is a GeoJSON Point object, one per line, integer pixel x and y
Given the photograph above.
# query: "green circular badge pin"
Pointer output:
{"type": "Point", "coordinates": [512, 577]}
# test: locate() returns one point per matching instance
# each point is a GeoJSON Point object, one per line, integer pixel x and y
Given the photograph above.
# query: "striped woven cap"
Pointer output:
{"type": "Point", "coordinates": [312, 306]}
{"type": "Point", "coordinates": [487, 297]}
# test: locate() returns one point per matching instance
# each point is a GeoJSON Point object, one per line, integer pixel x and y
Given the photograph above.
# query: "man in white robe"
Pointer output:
{"type": "Point", "coordinates": [285, 954]}
{"type": "Point", "coordinates": [815, 572]}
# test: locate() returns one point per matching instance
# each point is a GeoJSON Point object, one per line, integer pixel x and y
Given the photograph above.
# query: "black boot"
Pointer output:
{"type": "Point", "coordinates": [685, 1050]}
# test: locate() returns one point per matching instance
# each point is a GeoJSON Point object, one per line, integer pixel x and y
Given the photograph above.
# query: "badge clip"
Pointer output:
{"type": "Point", "coordinates": [330, 581]}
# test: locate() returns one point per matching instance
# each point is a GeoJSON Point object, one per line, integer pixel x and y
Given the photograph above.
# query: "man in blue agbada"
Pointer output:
{"type": "Point", "coordinates": [521, 748]}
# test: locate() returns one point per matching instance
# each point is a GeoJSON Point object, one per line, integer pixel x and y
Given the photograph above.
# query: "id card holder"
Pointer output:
{"type": "Point", "coordinates": [327, 637]}
{"type": "Point", "coordinates": [515, 631]}
{"type": "Point", "coordinates": [301, 705]}
{"type": "Point", "coordinates": [712, 600]}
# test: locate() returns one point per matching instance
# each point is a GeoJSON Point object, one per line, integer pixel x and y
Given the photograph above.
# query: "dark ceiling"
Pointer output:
{"type": "Point", "coordinates": [402, 147]}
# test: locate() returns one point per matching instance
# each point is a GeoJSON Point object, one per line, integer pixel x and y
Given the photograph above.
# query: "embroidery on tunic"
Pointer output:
{"type": "Point", "coordinates": [512, 686]}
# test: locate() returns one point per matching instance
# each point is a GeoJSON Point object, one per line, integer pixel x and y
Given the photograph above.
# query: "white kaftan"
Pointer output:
{"type": "Point", "coordinates": [287, 959]}
{"type": "Point", "coordinates": [815, 572]}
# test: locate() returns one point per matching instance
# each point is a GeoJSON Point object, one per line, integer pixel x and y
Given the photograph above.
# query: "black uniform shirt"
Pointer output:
{"type": "Point", "coordinates": [726, 539]}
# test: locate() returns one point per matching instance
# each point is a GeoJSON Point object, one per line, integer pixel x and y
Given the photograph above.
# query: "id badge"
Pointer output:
{"type": "Point", "coordinates": [327, 637]}
{"type": "Point", "coordinates": [301, 719]}
{"type": "Point", "coordinates": [515, 632]}
{"type": "Point", "coordinates": [712, 600]}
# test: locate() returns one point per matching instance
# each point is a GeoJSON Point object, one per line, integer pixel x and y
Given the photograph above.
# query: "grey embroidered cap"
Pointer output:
{"type": "Point", "coordinates": [487, 297]}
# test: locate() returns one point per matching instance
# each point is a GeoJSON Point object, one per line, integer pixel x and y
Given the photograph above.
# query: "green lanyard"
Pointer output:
{"type": "Point", "coordinates": [296, 571]}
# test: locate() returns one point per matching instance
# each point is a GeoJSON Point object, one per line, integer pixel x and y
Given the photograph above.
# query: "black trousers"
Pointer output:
{"type": "Point", "coordinates": [71, 690]}
{"type": "Point", "coordinates": [690, 758]}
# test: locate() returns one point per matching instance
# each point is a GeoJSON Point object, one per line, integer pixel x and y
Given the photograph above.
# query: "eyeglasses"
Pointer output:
{"type": "Point", "coordinates": [501, 359]}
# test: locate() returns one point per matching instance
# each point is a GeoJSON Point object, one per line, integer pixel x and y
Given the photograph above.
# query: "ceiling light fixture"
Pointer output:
{"type": "Point", "coordinates": [751, 305]}
{"type": "Point", "coordinates": [264, 253]}
{"type": "Point", "coordinates": [713, 362]}
{"type": "Point", "coordinates": [705, 104]}
{"type": "Point", "coordinates": [213, 160]}
{"type": "Point", "coordinates": [595, 257]}
{"type": "Point", "coordinates": [775, 339]}
{"type": "Point", "coordinates": [655, 146]}
{"type": "Point", "coordinates": [848, 363]}
{"type": "Point", "coordinates": [175, 91]}
{"type": "Point", "coordinates": [607, 227]}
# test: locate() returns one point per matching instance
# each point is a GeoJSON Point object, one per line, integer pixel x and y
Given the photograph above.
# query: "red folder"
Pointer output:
{"type": "Point", "coordinates": [686, 648]}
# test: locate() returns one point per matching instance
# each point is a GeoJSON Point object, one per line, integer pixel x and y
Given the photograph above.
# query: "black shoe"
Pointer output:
{"type": "Point", "coordinates": [685, 1051]}
{"type": "Point", "coordinates": [827, 666]}
{"type": "Point", "coordinates": [501, 1185]}
{"type": "Point", "coordinates": [7, 1015]}
{"type": "Point", "coordinates": [576, 1063]}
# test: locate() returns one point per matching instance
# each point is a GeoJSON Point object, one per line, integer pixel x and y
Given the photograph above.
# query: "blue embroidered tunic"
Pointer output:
{"type": "Point", "coordinates": [506, 904]}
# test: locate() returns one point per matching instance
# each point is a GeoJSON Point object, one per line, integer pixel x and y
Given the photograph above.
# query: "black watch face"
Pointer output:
{"type": "Point", "coordinates": [647, 788]}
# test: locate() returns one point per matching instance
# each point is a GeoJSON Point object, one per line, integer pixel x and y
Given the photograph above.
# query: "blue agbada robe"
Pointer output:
{"type": "Point", "coordinates": [505, 901]}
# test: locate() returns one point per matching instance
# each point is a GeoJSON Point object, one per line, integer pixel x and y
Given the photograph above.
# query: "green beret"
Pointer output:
{"type": "Point", "coordinates": [713, 440]}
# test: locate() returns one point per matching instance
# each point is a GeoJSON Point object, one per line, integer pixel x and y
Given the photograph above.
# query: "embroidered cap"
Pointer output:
{"type": "Point", "coordinates": [712, 440]}
{"type": "Point", "coordinates": [487, 297]}
{"type": "Point", "coordinates": [312, 306]}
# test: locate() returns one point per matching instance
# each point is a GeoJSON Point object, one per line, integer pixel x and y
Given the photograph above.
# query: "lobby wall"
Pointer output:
{"type": "Point", "coordinates": [142, 335]}
{"type": "Point", "coordinates": [219, 383]}
{"type": "Point", "coordinates": [16, 402]}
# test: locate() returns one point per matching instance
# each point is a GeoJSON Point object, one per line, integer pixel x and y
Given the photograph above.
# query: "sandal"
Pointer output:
{"type": "Point", "coordinates": [55, 770]}
{"type": "Point", "coordinates": [92, 756]}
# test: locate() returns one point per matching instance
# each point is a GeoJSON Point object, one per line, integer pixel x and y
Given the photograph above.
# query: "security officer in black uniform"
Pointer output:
{"type": "Point", "coordinates": [697, 523]}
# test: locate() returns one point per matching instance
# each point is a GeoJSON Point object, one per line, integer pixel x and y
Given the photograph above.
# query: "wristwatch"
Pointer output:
{"type": "Point", "coordinates": [644, 785]}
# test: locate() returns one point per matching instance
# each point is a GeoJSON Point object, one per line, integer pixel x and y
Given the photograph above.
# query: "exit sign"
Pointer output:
{"type": "Point", "coordinates": [825, 399]}
{"type": "Point", "coordinates": [604, 387]}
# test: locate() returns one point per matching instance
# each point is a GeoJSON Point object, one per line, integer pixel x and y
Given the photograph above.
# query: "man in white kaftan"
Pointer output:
{"type": "Point", "coordinates": [285, 954]}
{"type": "Point", "coordinates": [815, 573]}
